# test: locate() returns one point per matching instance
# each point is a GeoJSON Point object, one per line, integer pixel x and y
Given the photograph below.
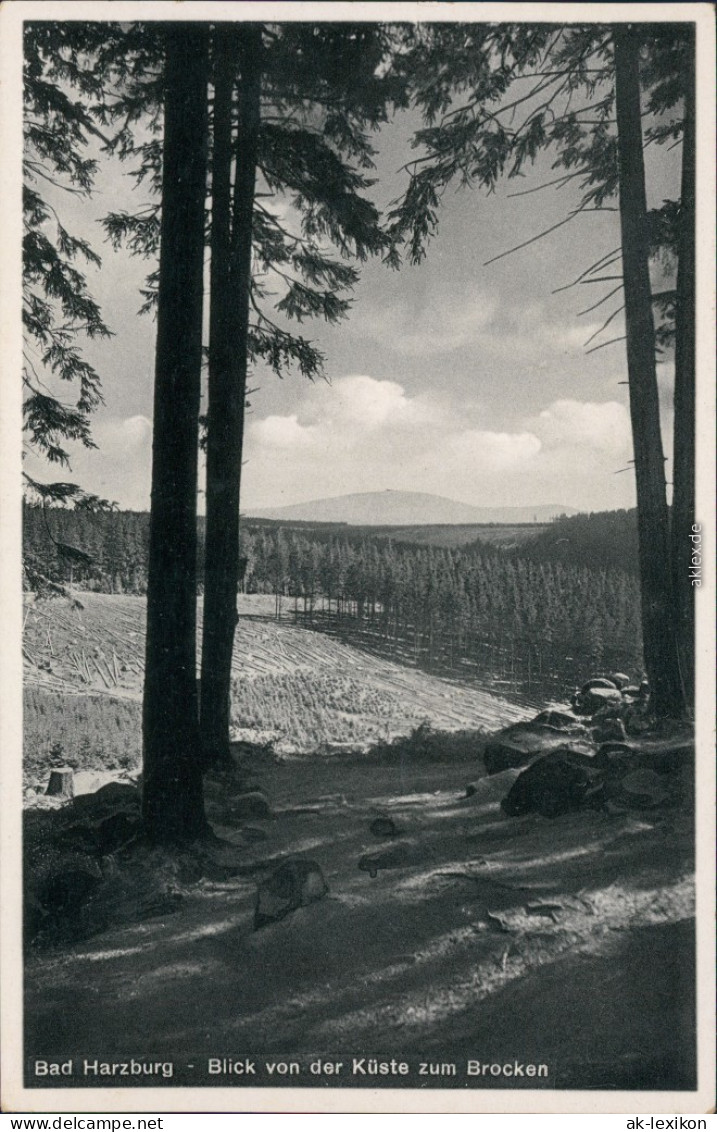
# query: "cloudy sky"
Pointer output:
{"type": "Point", "coordinates": [454, 377]}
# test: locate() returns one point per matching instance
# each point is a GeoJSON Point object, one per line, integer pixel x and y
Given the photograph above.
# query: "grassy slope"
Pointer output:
{"type": "Point", "coordinates": [299, 689]}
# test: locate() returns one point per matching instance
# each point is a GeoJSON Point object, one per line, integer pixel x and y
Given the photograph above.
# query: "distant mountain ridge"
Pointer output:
{"type": "Point", "coordinates": [406, 508]}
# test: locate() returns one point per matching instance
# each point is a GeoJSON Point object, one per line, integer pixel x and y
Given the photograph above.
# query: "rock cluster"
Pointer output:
{"type": "Point", "coordinates": [603, 754]}
{"type": "Point", "coordinates": [520, 743]}
{"type": "Point", "coordinates": [69, 858]}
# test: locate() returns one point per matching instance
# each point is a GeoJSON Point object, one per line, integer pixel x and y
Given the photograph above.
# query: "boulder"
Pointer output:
{"type": "Point", "coordinates": [588, 701]}
{"type": "Point", "coordinates": [394, 858]}
{"type": "Point", "coordinates": [640, 789]}
{"type": "Point", "coordinates": [160, 904]}
{"type": "Point", "coordinates": [253, 833]}
{"type": "Point", "coordinates": [620, 680]}
{"type": "Point", "coordinates": [598, 682]}
{"type": "Point", "coordinates": [102, 836]}
{"type": "Point", "coordinates": [562, 720]}
{"type": "Point", "coordinates": [79, 837]}
{"type": "Point", "coordinates": [646, 786]}
{"type": "Point", "coordinates": [251, 805]}
{"type": "Point", "coordinates": [383, 827]}
{"type": "Point", "coordinates": [610, 730]}
{"type": "Point", "coordinates": [488, 791]}
{"type": "Point", "coordinates": [551, 786]}
{"type": "Point", "coordinates": [636, 718]}
{"type": "Point", "coordinates": [249, 786]}
{"type": "Point", "coordinates": [616, 758]}
{"type": "Point", "coordinates": [664, 759]}
{"type": "Point", "coordinates": [296, 883]}
{"type": "Point", "coordinates": [519, 744]}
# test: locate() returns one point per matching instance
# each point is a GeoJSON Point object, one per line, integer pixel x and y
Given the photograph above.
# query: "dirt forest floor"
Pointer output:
{"type": "Point", "coordinates": [449, 936]}
{"type": "Point", "coordinates": [566, 942]}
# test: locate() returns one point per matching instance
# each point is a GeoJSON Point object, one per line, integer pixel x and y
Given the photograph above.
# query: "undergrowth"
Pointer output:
{"type": "Point", "coordinates": [306, 710]}
{"type": "Point", "coordinates": [85, 732]}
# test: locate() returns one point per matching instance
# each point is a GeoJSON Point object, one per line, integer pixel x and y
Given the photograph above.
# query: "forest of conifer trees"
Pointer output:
{"type": "Point", "coordinates": [528, 620]}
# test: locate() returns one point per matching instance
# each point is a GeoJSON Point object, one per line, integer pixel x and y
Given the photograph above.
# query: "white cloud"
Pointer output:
{"type": "Point", "coordinates": [364, 402]}
{"type": "Point", "coordinates": [495, 451]}
{"type": "Point", "coordinates": [121, 437]}
{"type": "Point", "coordinates": [359, 402]}
{"type": "Point", "coordinates": [604, 426]}
{"type": "Point", "coordinates": [282, 433]}
{"type": "Point", "coordinates": [365, 434]}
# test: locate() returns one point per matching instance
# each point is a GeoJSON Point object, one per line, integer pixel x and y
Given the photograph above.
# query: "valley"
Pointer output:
{"type": "Point", "coordinates": [444, 930]}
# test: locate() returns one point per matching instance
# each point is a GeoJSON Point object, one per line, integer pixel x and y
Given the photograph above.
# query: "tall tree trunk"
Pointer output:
{"type": "Point", "coordinates": [236, 46]}
{"type": "Point", "coordinates": [683, 492]}
{"type": "Point", "coordinates": [652, 516]}
{"type": "Point", "coordinates": [172, 802]}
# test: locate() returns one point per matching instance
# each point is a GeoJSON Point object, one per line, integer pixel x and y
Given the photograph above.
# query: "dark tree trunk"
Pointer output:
{"type": "Point", "coordinates": [172, 802]}
{"type": "Point", "coordinates": [683, 494]}
{"type": "Point", "coordinates": [652, 516]}
{"type": "Point", "coordinates": [236, 46]}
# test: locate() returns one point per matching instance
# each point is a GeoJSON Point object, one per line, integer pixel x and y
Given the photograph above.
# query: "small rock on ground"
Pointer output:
{"type": "Point", "coordinates": [296, 883]}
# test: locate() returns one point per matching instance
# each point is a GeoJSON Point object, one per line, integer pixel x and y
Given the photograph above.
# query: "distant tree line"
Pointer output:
{"type": "Point", "coordinates": [532, 619]}
{"type": "Point", "coordinates": [113, 545]}
{"type": "Point", "coordinates": [603, 539]}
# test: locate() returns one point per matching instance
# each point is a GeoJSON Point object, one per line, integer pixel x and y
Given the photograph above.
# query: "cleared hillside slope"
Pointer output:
{"type": "Point", "coordinates": [293, 687]}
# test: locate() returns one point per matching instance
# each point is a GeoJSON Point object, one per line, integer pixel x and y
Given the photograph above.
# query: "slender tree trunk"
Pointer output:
{"type": "Point", "coordinates": [652, 515]}
{"type": "Point", "coordinates": [683, 492]}
{"type": "Point", "coordinates": [172, 802]}
{"type": "Point", "coordinates": [236, 46]}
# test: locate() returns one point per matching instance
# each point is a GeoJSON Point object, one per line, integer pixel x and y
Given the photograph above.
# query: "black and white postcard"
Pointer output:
{"type": "Point", "coordinates": [358, 408]}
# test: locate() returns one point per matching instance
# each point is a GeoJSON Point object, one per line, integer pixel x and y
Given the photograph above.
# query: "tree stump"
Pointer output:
{"type": "Point", "coordinates": [61, 782]}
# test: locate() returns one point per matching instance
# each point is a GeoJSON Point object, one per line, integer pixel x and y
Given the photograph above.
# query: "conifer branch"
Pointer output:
{"type": "Point", "coordinates": [605, 325]}
{"type": "Point", "coordinates": [600, 302]}
{"type": "Point", "coordinates": [610, 343]}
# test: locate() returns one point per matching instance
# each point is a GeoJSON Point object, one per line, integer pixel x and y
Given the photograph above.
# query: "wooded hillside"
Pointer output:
{"type": "Point", "coordinates": [603, 539]}
{"type": "Point", "coordinates": [527, 619]}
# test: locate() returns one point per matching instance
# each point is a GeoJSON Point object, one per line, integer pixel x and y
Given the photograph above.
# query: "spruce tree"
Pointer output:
{"type": "Point", "coordinates": [475, 133]}
{"type": "Point", "coordinates": [64, 92]}
{"type": "Point", "coordinates": [321, 87]}
{"type": "Point", "coordinates": [661, 656]}
{"type": "Point", "coordinates": [237, 59]}
{"type": "Point", "coordinates": [683, 459]}
{"type": "Point", "coordinates": [172, 802]}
